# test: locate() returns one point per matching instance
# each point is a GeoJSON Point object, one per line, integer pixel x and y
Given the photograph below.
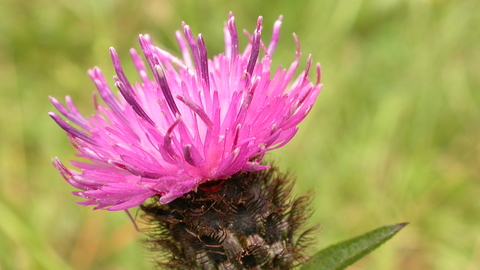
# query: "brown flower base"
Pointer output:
{"type": "Point", "coordinates": [246, 222]}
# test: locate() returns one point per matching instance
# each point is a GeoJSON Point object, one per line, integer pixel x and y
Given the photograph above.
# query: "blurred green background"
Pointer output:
{"type": "Point", "coordinates": [393, 137]}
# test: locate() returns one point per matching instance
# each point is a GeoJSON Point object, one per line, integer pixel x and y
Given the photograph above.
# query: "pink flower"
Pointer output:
{"type": "Point", "coordinates": [197, 120]}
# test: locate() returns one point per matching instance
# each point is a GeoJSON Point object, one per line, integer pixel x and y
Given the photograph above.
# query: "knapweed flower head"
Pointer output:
{"type": "Point", "coordinates": [191, 121]}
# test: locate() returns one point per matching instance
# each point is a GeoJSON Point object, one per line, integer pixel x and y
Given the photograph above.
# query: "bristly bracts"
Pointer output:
{"type": "Point", "coordinates": [246, 222]}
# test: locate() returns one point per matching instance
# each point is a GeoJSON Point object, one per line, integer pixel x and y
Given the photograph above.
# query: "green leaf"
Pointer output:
{"type": "Point", "coordinates": [341, 255]}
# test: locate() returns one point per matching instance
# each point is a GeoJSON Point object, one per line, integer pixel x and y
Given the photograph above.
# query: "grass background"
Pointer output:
{"type": "Point", "coordinates": [393, 136]}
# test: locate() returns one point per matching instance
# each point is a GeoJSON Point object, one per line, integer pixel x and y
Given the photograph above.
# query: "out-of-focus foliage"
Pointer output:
{"type": "Point", "coordinates": [394, 136]}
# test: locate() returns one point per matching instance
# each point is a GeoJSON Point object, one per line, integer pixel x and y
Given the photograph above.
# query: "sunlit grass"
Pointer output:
{"type": "Point", "coordinates": [393, 136]}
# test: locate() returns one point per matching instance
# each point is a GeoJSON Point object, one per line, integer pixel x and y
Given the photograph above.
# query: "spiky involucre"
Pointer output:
{"type": "Point", "coordinates": [247, 222]}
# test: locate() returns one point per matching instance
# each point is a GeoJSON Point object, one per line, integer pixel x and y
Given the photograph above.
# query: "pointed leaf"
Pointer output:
{"type": "Point", "coordinates": [339, 256]}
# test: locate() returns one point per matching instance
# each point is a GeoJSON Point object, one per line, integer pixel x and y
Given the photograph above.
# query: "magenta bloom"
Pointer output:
{"type": "Point", "coordinates": [197, 119]}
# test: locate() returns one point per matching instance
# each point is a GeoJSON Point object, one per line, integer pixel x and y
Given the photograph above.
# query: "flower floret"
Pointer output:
{"type": "Point", "coordinates": [196, 120]}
